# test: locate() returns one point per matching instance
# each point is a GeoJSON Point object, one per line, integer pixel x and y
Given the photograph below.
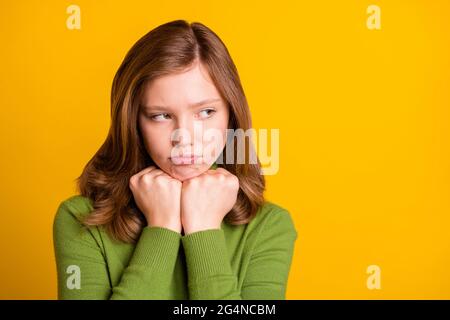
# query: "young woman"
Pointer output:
{"type": "Point", "coordinates": [158, 216]}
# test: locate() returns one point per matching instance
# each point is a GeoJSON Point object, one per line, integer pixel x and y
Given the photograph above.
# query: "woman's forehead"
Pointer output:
{"type": "Point", "coordinates": [190, 88]}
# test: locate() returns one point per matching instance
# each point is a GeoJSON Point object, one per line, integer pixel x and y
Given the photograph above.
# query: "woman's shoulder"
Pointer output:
{"type": "Point", "coordinates": [75, 207]}
{"type": "Point", "coordinates": [274, 218]}
{"type": "Point", "coordinates": [69, 229]}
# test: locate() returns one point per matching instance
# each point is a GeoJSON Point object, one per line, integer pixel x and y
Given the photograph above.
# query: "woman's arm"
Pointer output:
{"type": "Point", "coordinates": [210, 276]}
{"type": "Point", "coordinates": [147, 275]}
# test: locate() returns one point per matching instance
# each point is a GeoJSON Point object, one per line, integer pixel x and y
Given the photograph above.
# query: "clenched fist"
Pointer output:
{"type": "Point", "coordinates": [199, 203]}
{"type": "Point", "coordinates": [158, 196]}
{"type": "Point", "coordinates": [206, 199]}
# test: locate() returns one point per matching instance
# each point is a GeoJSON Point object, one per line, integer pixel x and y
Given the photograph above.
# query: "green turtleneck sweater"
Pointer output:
{"type": "Point", "coordinates": [250, 261]}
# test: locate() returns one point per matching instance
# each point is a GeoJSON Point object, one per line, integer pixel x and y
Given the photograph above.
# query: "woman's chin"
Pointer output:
{"type": "Point", "coordinates": [186, 172]}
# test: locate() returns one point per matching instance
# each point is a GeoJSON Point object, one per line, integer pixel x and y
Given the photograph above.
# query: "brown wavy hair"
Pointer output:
{"type": "Point", "coordinates": [169, 48]}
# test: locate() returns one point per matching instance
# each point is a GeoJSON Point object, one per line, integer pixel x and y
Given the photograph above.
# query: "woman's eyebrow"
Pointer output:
{"type": "Point", "coordinates": [192, 105]}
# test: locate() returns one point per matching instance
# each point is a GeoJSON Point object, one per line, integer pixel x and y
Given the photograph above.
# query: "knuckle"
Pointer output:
{"type": "Point", "coordinates": [146, 179]}
{"type": "Point", "coordinates": [233, 181]}
{"type": "Point", "coordinates": [159, 178]}
{"type": "Point", "coordinates": [175, 182]}
{"type": "Point", "coordinates": [133, 182]}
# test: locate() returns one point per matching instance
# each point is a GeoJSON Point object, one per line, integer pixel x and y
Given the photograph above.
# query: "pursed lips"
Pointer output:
{"type": "Point", "coordinates": [185, 159]}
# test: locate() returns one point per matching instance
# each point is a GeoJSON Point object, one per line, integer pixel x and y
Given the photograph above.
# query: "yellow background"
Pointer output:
{"type": "Point", "coordinates": [363, 117]}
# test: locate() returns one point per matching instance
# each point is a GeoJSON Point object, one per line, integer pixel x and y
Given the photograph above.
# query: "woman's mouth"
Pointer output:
{"type": "Point", "coordinates": [183, 160]}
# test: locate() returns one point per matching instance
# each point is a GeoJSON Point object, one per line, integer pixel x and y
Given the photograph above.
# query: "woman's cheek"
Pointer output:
{"type": "Point", "coordinates": [153, 141]}
{"type": "Point", "coordinates": [211, 139]}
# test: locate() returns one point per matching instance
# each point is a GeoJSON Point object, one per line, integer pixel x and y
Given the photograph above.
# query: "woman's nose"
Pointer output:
{"type": "Point", "coordinates": [184, 132]}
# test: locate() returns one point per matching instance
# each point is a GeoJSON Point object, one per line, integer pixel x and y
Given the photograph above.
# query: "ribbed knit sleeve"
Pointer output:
{"type": "Point", "coordinates": [208, 266]}
{"type": "Point", "coordinates": [210, 276]}
{"type": "Point", "coordinates": [147, 275]}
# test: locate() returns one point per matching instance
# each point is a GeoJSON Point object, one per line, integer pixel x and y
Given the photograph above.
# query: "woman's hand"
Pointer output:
{"type": "Point", "coordinates": [206, 199]}
{"type": "Point", "coordinates": [158, 196]}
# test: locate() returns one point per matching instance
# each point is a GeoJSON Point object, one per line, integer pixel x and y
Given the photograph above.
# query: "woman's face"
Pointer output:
{"type": "Point", "coordinates": [183, 114]}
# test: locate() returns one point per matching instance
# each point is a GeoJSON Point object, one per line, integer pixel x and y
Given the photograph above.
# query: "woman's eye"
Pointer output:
{"type": "Point", "coordinates": [159, 117]}
{"type": "Point", "coordinates": [206, 113]}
